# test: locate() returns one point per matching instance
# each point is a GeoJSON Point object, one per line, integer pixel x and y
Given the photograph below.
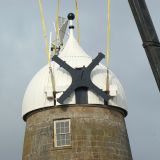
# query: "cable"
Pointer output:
{"type": "Point", "coordinates": [77, 21]}
{"type": "Point", "coordinates": [47, 49]}
{"type": "Point", "coordinates": [45, 33]}
{"type": "Point", "coordinates": [108, 42]}
{"type": "Point", "coordinates": [108, 34]}
{"type": "Point", "coordinates": [57, 25]}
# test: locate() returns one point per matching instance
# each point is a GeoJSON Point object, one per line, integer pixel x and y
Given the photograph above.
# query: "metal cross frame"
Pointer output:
{"type": "Point", "coordinates": [81, 78]}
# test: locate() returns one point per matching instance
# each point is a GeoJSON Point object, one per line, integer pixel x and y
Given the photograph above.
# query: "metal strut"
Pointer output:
{"type": "Point", "coordinates": [81, 78]}
{"type": "Point", "coordinates": [148, 34]}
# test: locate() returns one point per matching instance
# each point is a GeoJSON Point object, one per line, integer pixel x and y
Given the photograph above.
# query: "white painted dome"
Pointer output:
{"type": "Point", "coordinates": [39, 91]}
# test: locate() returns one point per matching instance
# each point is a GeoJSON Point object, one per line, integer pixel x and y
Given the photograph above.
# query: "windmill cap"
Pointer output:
{"type": "Point", "coordinates": [71, 16]}
{"type": "Point", "coordinates": [39, 93]}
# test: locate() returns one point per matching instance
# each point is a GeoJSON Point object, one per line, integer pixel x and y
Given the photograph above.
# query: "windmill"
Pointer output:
{"type": "Point", "coordinates": [84, 118]}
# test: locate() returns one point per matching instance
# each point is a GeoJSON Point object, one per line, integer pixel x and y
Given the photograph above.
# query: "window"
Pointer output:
{"type": "Point", "coordinates": [62, 133]}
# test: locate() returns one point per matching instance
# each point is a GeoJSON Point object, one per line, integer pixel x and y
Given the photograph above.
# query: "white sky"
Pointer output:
{"type": "Point", "coordinates": [22, 55]}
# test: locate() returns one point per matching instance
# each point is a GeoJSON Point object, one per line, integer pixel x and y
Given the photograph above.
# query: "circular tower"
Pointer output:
{"type": "Point", "coordinates": [78, 118]}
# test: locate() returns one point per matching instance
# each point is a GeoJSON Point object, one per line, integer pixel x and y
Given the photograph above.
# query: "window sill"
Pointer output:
{"type": "Point", "coordinates": [62, 148]}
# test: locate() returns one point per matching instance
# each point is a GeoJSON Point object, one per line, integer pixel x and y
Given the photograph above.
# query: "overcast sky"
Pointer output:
{"type": "Point", "coordinates": [22, 55]}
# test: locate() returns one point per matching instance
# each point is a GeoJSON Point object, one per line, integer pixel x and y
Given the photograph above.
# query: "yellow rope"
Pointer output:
{"type": "Point", "coordinates": [108, 42]}
{"type": "Point", "coordinates": [45, 33]}
{"type": "Point", "coordinates": [108, 34]}
{"type": "Point", "coordinates": [57, 25]}
{"type": "Point", "coordinates": [47, 49]}
{"type": "Point", "coordinates": [77, 21]}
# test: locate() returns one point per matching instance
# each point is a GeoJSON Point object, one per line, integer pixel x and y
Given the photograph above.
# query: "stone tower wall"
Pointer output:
{"type": "Point", "coordinates": [97, 133]}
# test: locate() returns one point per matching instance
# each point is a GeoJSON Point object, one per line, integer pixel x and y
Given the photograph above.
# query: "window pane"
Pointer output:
{"type": "Point", "coordinates": [58, 130]}
{"type": "Point", "coordinates": [63, 137]}
{"type": "Point", "coordinates": [62, 130]}
{"type": "Point", "coordinates": [67, 124]}
{"type": "Point", "coordinates": [58, 143]}
{"type": "Point", "coordinates": [66, 129]}
{"type": "Point", "coordinates": [62, 124]}
{"type": "Point", "coordinates": [58, 137]}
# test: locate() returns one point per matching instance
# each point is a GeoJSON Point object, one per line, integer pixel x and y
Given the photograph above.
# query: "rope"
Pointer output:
{"type": "Point", "coordinates": [77, 21]}
{"type": "Point", "coordinates": [47, 49]}
{"type": "Point", "coordinates": [57, 25]}
{"type": "Point", "coordinates": [53, 84]}
{"type": "Point", "coordinates": [108, 34]}
{"type": "Point", "coordinates": [108, 41]}
{"type": "Point", "coordinates": [45, 33]}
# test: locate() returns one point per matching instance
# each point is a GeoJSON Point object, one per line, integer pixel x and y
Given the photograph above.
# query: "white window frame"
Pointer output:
{"type": "Point", "coordinates": [55, 132]}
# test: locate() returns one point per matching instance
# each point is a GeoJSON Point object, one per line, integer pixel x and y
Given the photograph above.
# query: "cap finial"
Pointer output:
{"type": "Point", "coordinates": [71, 16]}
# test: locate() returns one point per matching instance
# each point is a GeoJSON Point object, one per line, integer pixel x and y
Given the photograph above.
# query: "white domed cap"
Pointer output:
{"type": "Point", "coordinates": [39, 92]}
